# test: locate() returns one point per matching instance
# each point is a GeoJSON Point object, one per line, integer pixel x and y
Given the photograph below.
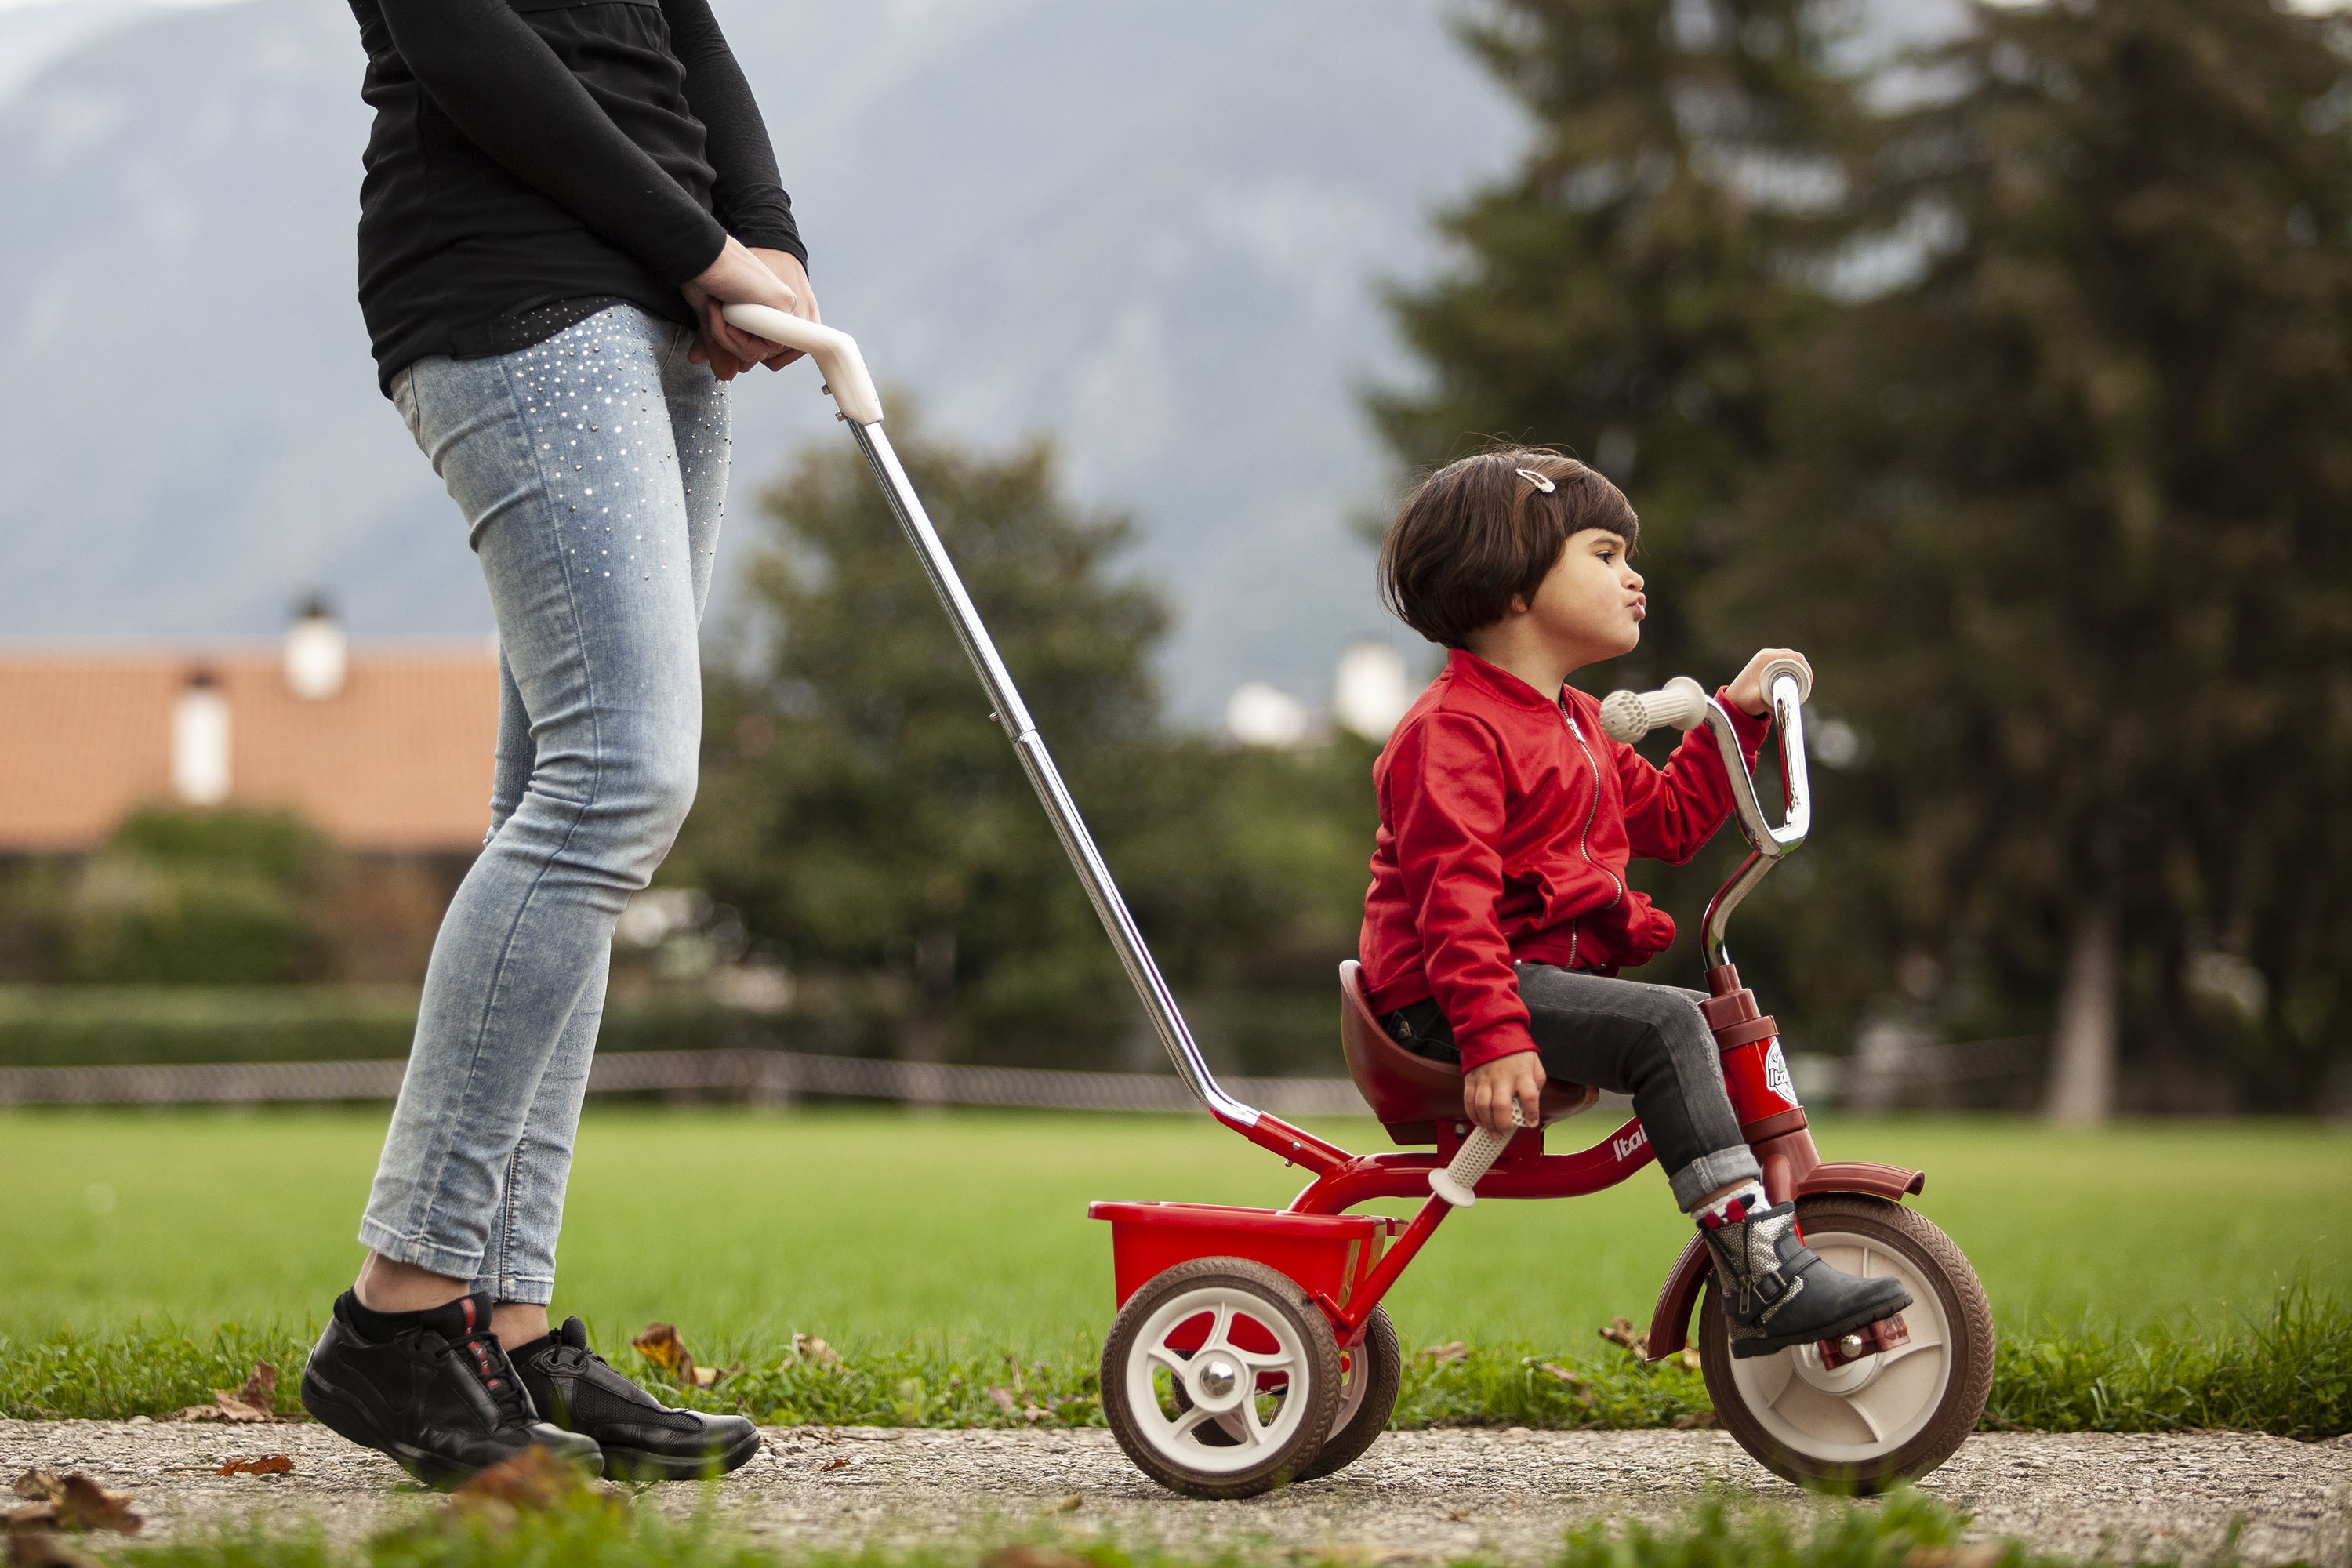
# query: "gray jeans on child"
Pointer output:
{"type": "Point", "coordinates": [590, 470]}
{"type": "Point", "coordinates": [1628, 1037]}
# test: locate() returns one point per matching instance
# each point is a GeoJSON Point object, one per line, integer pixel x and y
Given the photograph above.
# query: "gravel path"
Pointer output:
{"type": "Point", "coordinates": [1415, 1495]}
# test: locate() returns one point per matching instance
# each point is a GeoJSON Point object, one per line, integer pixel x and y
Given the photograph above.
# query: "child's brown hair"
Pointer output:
{"type": "Point", "coordinates": [1480, 532]}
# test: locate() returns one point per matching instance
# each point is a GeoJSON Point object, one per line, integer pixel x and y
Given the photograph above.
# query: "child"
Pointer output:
{"type": "Point", "coordinates": [1499, 913]}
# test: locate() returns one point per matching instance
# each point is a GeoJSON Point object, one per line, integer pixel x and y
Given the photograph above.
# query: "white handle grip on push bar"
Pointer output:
{"type": "Point", "coordinates": [1628, 715]}
{"type": "Point", "coordinates": [1457, 1183]}
{"type": "Point", "coordinates": [835, 353]}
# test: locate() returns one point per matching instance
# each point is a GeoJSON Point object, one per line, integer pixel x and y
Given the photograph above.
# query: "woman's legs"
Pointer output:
{"type": "Point", "coordinates": [572, 468]}
{"type": "Point", "coordinates": [519, 1269]}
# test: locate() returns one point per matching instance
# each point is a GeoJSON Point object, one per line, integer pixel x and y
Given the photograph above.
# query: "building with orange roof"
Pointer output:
{"type": "Point", "coordinates": [385, 748]}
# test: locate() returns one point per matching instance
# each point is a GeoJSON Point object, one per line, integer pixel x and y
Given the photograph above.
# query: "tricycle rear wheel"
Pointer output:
{"type": "Point", "coordinates": [1894, 1416]}
{"type": "Point", "coordinates": [1219, 1378]}
{"type": "Point", "coordinates": [1370, 1375]}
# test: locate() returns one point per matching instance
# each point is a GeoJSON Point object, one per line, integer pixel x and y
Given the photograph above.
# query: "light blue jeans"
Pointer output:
{"type": "Point", "coordinates": [590, 470]}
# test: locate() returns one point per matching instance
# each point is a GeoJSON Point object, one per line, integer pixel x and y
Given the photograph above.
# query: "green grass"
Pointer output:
{"type": "Point", "coordinates": [2135, 1274]}
{"type": "Point", "coordinates": [1907, 1531]}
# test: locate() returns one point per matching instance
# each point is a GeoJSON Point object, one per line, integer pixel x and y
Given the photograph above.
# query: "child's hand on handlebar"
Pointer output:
{"type": "Point", "coordinates": [1489, 1089]}
{"type": "Point", "coordinates": [1747, 692]}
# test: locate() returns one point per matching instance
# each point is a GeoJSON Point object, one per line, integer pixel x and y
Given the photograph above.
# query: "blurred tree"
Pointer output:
{"type": "Point", "coordinates": [861, 810]}
{"type": "Point", "coordinates": [1619, 294]}
{"type": "Point", "coordinates": [193, 899]}
{"type": "Point", "coordinates": [2065, 515]}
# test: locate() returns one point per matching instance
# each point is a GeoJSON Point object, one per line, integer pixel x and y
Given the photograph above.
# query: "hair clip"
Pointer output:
{"type": "Point", "coordinates": [1537, 479]}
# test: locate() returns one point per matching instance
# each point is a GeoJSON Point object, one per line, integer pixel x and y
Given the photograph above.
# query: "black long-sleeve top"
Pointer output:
{"type": "Point", "coordinates": [534, 160]}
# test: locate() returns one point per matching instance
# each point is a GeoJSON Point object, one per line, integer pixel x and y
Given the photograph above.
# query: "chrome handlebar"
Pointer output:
{"type": "Point", "coordinates": [1628, 717]}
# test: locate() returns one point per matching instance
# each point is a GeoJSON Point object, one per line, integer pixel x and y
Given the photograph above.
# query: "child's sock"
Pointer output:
{"type": "Point", "coordinates": [1744, 1203]}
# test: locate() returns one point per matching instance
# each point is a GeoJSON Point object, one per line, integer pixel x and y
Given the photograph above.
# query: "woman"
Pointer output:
{"type": "Point", "coordinates": [559, 195]}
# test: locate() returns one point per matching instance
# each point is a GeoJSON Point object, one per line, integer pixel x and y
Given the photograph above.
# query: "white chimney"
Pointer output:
{"type": "Point", "coordinates": [316, 653]}
{"type": "Point", "coordinates": [1369, 693]}
{"type": "Point", "coordinates": [200, 742]}
{"type": "Point", "coordinates": [1258, 714]}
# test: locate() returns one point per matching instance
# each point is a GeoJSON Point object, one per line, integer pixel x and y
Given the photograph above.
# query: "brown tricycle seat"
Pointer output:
{"type": "Point", "coordinates": [1411, 1094]}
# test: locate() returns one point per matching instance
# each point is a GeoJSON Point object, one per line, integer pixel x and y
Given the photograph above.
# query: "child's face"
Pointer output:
{"type": "Point", "coordinates": [1589, 606]}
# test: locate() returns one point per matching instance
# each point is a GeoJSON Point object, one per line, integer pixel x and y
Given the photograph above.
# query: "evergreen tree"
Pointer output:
{"type": "Point", "coordinates": [2067, 516]}
{"type": "Point", "coordinates": [1619, 292]}
{"type": "Point", "coordinates": [865, 815]}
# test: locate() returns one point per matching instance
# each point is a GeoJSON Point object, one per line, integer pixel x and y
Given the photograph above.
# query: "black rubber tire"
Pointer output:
{"type": "Point", "coordinates": [1277, 1294]}
{"type": "Point", "coordinates": [1932, 1256]}
{"type": "Point", "coordinates": [1380, 1360]}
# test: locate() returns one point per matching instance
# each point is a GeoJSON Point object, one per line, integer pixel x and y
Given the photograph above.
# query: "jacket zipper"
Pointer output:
{"type": "Point", "coordinates": [1584, 842]}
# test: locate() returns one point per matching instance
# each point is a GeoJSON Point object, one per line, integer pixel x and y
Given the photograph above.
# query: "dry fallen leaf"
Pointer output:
{"type": "Point", "coordinates": [1446, 1354]}
{"type": "Point", "coordinates": [255, 1400]}
{"type": "Point", "coordinates": [260, 1387]}
{"type": "Point", "coordinates": [1071, 1504]}
{"type": "Point", "coordinates": [39, 1549]}
{"type": "Point", "coordinates": [1457, 1514]}
{"type": "Point", "coordinates": [843, 1463]}
{"type": "Point", "coordinates": [1981, 1555]}
{"type": "Point", "coordinates": [1623, 1332]}
{"type": "Point", "coordinates": [808, 1347]}
{"type": "Point", "coordinates": [660, 1345]}
{"type": "Point", "coordinates": [268, 1465]}
{"type": "Point", "coordinates": [71, 1503]}
{"type": "Point", "coordinates": [1704, 1418]}
{"type": "Point", "coordinates": [533, 1480]}
{"type": "Point", "coordinates": [1026, 1555]}
{"type": "Point", "coordinates": [1004, 1400]}
{"type": "Point", "coordinates": [1578, 1390]}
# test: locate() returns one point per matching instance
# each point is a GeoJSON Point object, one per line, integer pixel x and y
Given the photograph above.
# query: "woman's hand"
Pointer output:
{"type": "Point", "coordinates": [742, 276]}
{"type": "Point", "coordinates": [1747, 692]}
{"type": "Point", "coordinates": [1489, 1089]}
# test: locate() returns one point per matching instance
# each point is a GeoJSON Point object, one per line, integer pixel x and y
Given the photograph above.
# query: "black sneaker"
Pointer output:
{"type": "Point", "coordinates": [438, 1396]}
{"type": "Point", "coordinates": [1778, 1292]}
{"type": "Point", "coordinates": [643, 1439]}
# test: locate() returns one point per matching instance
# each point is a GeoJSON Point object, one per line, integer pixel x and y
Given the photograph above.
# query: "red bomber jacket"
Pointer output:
{"type": "Point", "coordinates": [1506, 820]}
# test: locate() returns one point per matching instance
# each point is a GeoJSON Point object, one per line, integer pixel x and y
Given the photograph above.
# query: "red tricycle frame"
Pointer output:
{"type": "Point", "coordinates": [1348, 1267]}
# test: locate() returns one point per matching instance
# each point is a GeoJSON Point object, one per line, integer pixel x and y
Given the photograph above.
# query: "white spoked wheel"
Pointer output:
{"type": "Point", "coordinates": [1892, 1415]}
{"type": "Point", "coordinates": [1219, 1378]}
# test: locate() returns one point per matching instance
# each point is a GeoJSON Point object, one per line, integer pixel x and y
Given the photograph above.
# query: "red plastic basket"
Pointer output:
{"type": "Point", "coordinates": [1328, 1254]}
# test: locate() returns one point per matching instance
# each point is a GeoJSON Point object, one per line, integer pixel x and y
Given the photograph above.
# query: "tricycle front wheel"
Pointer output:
{"type": "Point", "coordinates": [1219, 1378]}
{"type": "Point", "coordinates": [1892, 1415]}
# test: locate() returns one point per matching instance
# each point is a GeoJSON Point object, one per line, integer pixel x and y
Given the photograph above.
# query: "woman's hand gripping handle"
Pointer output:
{"type": "Point", "coordinates": [835, 351]}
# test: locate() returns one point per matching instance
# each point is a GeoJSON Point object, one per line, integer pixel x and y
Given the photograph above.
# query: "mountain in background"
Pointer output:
{"type": "Point", "coordinates": [1155, 233]}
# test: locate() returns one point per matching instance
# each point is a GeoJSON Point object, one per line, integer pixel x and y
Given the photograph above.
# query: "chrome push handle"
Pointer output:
{"type": "Point", "coordinates": [852, 389]}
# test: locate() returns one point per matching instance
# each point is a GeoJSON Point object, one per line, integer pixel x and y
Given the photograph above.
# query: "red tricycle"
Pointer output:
{"type": "Point", "coordinates": [1250, 1347]}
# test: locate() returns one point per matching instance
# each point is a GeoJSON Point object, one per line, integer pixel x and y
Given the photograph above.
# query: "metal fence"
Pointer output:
{"type": "Point", "coordinates": [760, 1078]}
{"type": "Point", "coordinates": [1880, 1079]}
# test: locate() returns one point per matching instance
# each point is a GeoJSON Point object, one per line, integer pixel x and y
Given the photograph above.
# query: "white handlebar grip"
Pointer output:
{"type": "Point", "coordinates": [1455, 1183]}
{"type": "Point", "coordinates": [1788, 667]}
{"type": "Point", "coordinates": [1628, 715]}
{"type": "Point", "coordinates": [835, 353]}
